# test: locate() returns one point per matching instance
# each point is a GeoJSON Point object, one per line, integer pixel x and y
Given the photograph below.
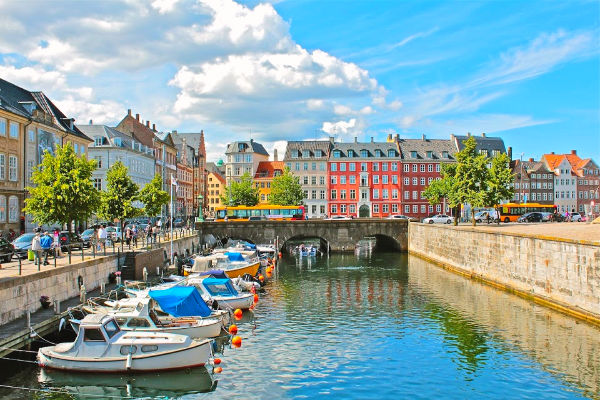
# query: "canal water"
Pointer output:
{"type": "Point", "coordinates": [380, 326]}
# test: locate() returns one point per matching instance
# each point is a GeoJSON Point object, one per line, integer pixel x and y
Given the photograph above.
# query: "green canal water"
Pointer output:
{"type": "Point", "coordinates": [379, 326]}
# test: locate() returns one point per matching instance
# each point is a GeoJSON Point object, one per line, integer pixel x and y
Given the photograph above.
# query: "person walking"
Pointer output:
{"type": "Point", "coordinates": [46, 243]}
{"type": "Point", "coordinates": [134, 235]}
{"type": "Point", "coordinates": [128, 236]}
{"type": "Point", "coordinates": [102, 238]}
{"type": "Point", "coordinates": [155, 230]}
{"type": "Point", "coordinates": [56, 243]}
{"type": "Point", "coordinates": [148, 232]}
{"type": "Point", "coordinates": [36, 246]}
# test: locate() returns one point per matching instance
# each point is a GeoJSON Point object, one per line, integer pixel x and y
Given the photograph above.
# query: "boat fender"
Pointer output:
{"type": "Point", "coordinates": [129, 361]}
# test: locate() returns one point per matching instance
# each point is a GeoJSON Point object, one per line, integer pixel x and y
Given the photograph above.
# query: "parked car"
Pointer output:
{"type": "Point", "coordinates": [547, 217]}
{"type": "Point", "coordinates": [338, 217]}
{"type": "Point", "coordinates": [438, 219]}
{"type": "Point", "coordinates": [6, 250]}
{"type": "Point", "coordinates": [87, 237]}
{"type": "Point", "coordinates": [70, 240]}
{"type": "Point", "coordinates": [22, 244]}
{"type": "Point", "coordinates": [178, 223]}
{"type": "Point", "coordinates": [113, 233]}
{"type": "Point", "coordinates": [576, 217]}
{"type": "Point", "coordinates": [485, 216]}
{"type": "Point", "coordinates": [531, 217]}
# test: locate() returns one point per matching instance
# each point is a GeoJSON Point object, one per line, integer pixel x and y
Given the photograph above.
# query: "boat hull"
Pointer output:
{"type": "Point", "coordinates": [195, 355]}
{"type": "Point", "coordinates": [236, 272]}
{"type": "Point", "coordinates": [243, 302]}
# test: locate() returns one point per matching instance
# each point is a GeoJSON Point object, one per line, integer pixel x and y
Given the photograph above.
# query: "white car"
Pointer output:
{"type": "Point", "coordinates": [338, 217]}
{"type": "Point", "coordinates": [438, 219]}
{"type": "Point", "coordinates": [576, 217]}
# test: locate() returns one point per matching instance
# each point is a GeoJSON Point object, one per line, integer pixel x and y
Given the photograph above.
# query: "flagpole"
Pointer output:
{"type": "Point", "coordinates": [171, 216]}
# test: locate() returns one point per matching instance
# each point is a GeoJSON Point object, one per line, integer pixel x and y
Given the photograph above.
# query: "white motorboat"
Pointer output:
{"type": "Point", "coordinates": [141, 317]}
{"type": "Point", "coordinates": [101, 346]}
{"type": "Point", "coordinates": [221, 291]}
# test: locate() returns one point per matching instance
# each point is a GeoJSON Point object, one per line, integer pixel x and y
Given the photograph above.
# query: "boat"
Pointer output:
{"type": "Point", "coordinates": [244, 283]}
{"type": "Point", "coordinates": [139, 314]}
{"type": "Point", "coordinates": [221, 291]}
{"type": "Point", "coordinates": [236, 264]}
{"type": "Point", "coordinates": [306, 251]}
{"type": "Point", "coordinates": [101, 346]}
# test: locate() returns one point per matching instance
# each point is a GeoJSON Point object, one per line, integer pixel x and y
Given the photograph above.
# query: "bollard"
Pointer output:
{"type": "Point", "coordinates": [102, 287]}
{"type": "Point", "coordinates": [93, 250]}
{"type": "Point", "coordinates": [104, 247]}
{"type": "Point", "coordinates": [28, 319]}
{"type": "Point", "coordinates": [69, 249]}
{"type": "Point", "coordinates": [39, 260]}
{"type": "Point", "coordinates": [82, 294]}
{"type": "Point", "coordinates": [145, 275]}
{"type": "Point", "coordinates": [119, 280]}
{"type": "Point", "coordinates": [158, 271]}
{"type": "Point", "coordinates": [56, 306]}
{"type": "Point", "coordinates": [55, 257]}
{"type": "Point", "coordinates": [20, 266]}
{"type": "Point", "coordinates": [113, 245]}
{"type": "Point", "coordinates": [82, 257]}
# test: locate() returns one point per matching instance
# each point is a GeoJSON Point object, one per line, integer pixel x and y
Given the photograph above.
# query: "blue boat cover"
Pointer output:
{"type": "Point", "coordinates": [217, 273]}
{"type": "Point", "coordinates": [234, 256]}
{"type": "Point", "coordinates": [181, 301]}
{"type": "Point", "coordinates": [250, 246]}
{"type": "Point", "coordinates": [219, 287]}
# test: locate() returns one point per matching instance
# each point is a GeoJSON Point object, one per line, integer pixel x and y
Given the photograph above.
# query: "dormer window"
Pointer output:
{"type": "Point", "coordinates": [350, 153]}
{"type": "Point", "coordinates": [413, 154]}
{"type": "Point", "coordinates": [430, 154]}
{"type": "Point", "coordinates": [483, 152]}
{"type": "Point", "coordinates": [364, 153]}
{"type": "Point", "coordinates": [445, 154]}
{"type": "Point", "coordinates": [295, 153]}
{"type": "Point", "coordinates": [391, 153]}
{"type": "Point", "coordinates": [240, 147]}
{"type": "Point", "coordinates": [98, 141]}
{"type": "Point", "coordinates": [319, 153]}
{"type": "Point", "coordinates": [337, 154]}
{"type": "Point", "coordinates": [118, 142]}
{"type": "Point", "coordinates": [378, 153]}
{"type": "Point", "coordinates": [306, 154]}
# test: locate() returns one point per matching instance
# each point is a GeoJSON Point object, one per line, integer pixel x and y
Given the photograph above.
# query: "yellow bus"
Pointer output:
{"type": "Point", "coordinates": [509, 212]}
{"type": "Point", "coordinates": [258, 212]}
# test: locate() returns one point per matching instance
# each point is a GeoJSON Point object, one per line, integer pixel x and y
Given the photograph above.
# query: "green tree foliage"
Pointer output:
{"type": "Point", "coordinates": [286, 190]}
{"type": "Point", "coordinates": [471, 176]}
{"type": "Point", "coordinates": [121, 192]}
{"type": "Point", "coordinates": [499, 182]}
{"type": "Point", "coordinates": [444, 189]}
{"type": "Point", "coordinates": [154, 197]}
{"type": "Point", "coordinates": [63, 191]}
{"type": "Point", "coordinates": [242, 193]}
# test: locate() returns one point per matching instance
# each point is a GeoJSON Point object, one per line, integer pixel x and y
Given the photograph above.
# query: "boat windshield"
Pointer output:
{"type": "Point", "coordinates": [111, 328]}
{"type": "Point", "coordinates": [219, 289]}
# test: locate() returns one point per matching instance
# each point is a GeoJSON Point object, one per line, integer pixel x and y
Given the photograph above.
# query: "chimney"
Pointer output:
{"type": "Point", "coordinates": [147, 124]}
{"type": "Point", "coordinates": [397, 137]}
{"type": "Point", "coordinates": [154, 127]}
{"type": "Point", "coordinates": [468, 134]}
{"type": "Point", "coordinates": [331, 139]}
{"type": "Point", "coordinates": [91, 122]}
{"type": "Point", "coordinates": [423, 137]}
{"type": "Point", "coordinates": [355, 139]}
{"type": "Point", "coordinates": [574, 152]}
{"type": "Point", "coordinates": [509, 153]}
{"type": "Point", "coordinates": [275, 158]}
{"type": "Point", "coordinates": [129, 112]}
{"type": "Point", "coordinates": [551, 152]}
{"type": "Point", "coordinates": [372, 140]}
{"type": "Point", "coordinates": [531, 160]}
{"type": "Point", "coordinates": [389, 139]}
{"type": "Point", "coordinates": [251, 141]}
{"type": "Point", "coordinates": [483, 134]}
{"type": "Point", "coordinates": [137, 117]}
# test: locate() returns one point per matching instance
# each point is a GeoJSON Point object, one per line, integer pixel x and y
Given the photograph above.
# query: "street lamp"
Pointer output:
{"type": "Point", "coordinates": [522, 192]}
{"type": "Point", "coordinates": [200, 217]}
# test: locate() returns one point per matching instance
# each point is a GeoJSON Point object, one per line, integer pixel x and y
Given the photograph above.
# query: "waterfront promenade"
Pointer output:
{"type": "Point", "coordinates": [576, 231]}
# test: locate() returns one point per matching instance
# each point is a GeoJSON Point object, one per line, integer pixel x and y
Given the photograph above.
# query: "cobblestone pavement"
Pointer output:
{"type": "Point", "coordinates": [562, 230]}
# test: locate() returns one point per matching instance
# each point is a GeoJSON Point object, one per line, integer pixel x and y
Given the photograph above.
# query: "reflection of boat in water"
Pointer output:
{"type": "Point", "coordinates": [164, 384]}
{"type": "Point", "coordinates": [306, 251]}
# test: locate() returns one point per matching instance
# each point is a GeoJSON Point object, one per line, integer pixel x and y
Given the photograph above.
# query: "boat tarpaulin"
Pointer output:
{"type": "Point", "coordinates": [219, 287]}
{"type": "Point", "coordinates": [181, 301]}
{"type": "Point", "coordinates": [233, 256]}
{"type": "Point", "coordinates": [217, 273]}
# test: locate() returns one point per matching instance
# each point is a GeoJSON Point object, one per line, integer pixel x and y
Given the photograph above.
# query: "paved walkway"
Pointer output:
{"type": "Point", "coordinates": [560, 230]}
{"type": "Point", "coordinates": [12, 269]}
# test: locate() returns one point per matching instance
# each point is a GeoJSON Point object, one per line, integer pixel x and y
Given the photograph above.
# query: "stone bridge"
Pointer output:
{"type": "Point", "coordinates": [335, 235]}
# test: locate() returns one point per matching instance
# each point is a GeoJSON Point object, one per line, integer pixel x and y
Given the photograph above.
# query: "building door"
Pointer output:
{"type": "Point", "coordinates": [364, 211]}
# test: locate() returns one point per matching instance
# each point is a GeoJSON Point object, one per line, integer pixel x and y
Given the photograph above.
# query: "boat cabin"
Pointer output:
{"type": "Point", "coordinates": [219, 287]}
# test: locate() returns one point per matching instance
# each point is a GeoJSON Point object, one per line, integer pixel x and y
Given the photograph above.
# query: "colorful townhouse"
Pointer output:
{"type": "Point", "coordinates": [265, 172]}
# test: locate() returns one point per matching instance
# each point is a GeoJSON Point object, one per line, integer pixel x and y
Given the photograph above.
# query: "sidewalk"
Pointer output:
{"type": "Point", "coordinates": [560, 230]}
{"type": "Point", "coordinates": [12, 269]}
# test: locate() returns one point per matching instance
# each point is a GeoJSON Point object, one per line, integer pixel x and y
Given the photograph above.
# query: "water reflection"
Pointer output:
{"type": "Point", "coordinates": [164, 384]}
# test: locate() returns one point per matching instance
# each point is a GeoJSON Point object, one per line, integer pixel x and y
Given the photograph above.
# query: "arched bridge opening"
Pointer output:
{"type": "Point", "coordinates": [291, 244]}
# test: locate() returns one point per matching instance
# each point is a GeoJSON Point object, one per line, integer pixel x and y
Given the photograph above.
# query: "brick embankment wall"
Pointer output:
{"type": "Point", "coordinates": [561, 273]}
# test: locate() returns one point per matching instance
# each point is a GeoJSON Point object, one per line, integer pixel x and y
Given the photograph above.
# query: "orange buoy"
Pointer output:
{"type": "Point", "coordinates": [252, 289]}
{"type": "Point", "coordinates": [233, 329]}
{"type": "Point", "coordinates": [280, 255]}
{"type": "Point", "coordinates": [217, 361]}
{"type": "Point", "coordinates": [237, 313]}
{"type": "Point", "coordinates": [255, 298]}
{"type": "Point", "coordinates": [261, 278]}
{"type": "Point", "coordinates": [218, 370]}
{"type": "Point", "coordinates": [236, 341]}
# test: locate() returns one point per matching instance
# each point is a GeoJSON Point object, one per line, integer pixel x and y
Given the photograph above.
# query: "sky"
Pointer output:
{"type": "Point", "coordinates": [526, 71]}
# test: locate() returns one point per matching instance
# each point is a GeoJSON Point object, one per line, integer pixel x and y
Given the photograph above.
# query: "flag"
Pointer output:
{"type": "Point", "coordinates": [173, 181]}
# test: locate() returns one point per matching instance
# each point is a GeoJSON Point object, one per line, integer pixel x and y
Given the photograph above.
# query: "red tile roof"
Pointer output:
{"type": "Point", "coordinates": [266, 169]}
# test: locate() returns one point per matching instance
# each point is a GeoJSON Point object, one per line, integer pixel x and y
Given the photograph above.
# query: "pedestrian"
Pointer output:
{"type": "Point", "coordinates": [46, 243]}
{"type": "Point", "coordinates": [487, 217]}
{"type": "Point", "coordinates": [148, 232]}
{"type": "Point", "coordinates": [95, 238]}
{"type": "Point", "coordinates": [134, 235]}
{"type": "Point", "coordinates": [158, 224]}
{"type": "Point", "coordinates": [102, 237]}
{"type": "Point", "coordinates": [155, 230]}
{"type": "Point", "coordinates": [178, 264]}
{"type": "Point", "coordinates": [36, 246]}
{"type": "Point", "coordinates": [567, 216]}
{"type": "Point", "coordinates": [11, 234]}
{"type": "Point", "coordinates": [128, 236]}
{"type": "Point", "coordinates": [56, 243]}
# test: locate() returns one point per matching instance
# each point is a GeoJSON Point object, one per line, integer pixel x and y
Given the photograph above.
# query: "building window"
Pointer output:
{"type": "Point", "coordinates": [29, 170]}
{"type": "Point", "coordinates": [415, 194]}
{"type": "Point", "coordinates": [375, 167]}
{"type": "Point", "coordinates": [2, 166]}
{"type": "Point", "coordinates": [415, 209]}
{"type": "Point", "coordinates": [406, 167]}
{"type": "Point", "coordinates": [438, 208]}
{"type": "Point", "coordinates": [394, 208]}
{"type": "Point", "coordinates": [313, 166]}
{"type": "Point", "coordinates": [364, 154]}
{"type": "Point", "coordinates": [322, 194]}
{"type": "Point", "coordinates": [395, 179]}
{"type": "Point", "coordinates": [422, 180]}
{"type": "Point", "coordinates": [14, 130]}
{"type": "Point", "coordinates": [406, 195]}
{"type": "Point", "coordinates": [384, 167]}
{"type": "Point", "coordinates": [384, 179]}
{"type": "Point", "coordinates": [333, 167]}
{"type": "Point", "coordinates": [352, 167]}
{"type": "Point", "coordinates": [375, 179]}
{"type": "Point", "coordinates": [2, 208]}
{"type": "Point", "coordinates": [375, 208]}
{"type": "Point", "coordinates": [384, 194]}
{"type": "Point", "coordinates": [343, 194]}
{"type": "Point", "coordinates": [385, 208]}
{"type": "Point", "coordinates": [394, 193]}
{"type": "Point", "coordinates": [337, 154]}
{"type": "Point", "coordinates": [415, 181]}
{"type": "Point", "coordinates": [322, 166]}
{"type": "Point", "coordinates": [13, 209]}
{"type": "Point", "coordinates": [313, 180]}
{"type": "Point", "coordinates": [305, 166]}
{"type": "Point", "coordinates": [350, 153]}
{"type": "Point", "coordinates": [297, 166]}
{"type": "Point", "coordinates": [407, 209]}
{"type": "Point", "coordinates": [342, 167]}
{"type": "Point", "coordinates": [352, 209]}
{"type": "Point", "coordinates": [321, 180]}
{"type": "Point", "coordinates": [352, 194]}
{"type": "Point", "coordinates": [363, 167]}
{"type": "Point", "coordinates": [375, 193]}
{"type": "Point", "coordinates": [343, 180]}
{"type": "Point", "coordinates": [12, 168]}
{"type": "Point", "coordinates": [2, 127]}
{"type": "Point", "coordinates": [407, 181]}
{"type": "Point", "coordinates": [31, 135]}
{"type": "Point", "coordinates": [423, 208]}
{"type": "Point", "coordinates": [333, 194]}
{"type": "Point", "coordinates": [98, 183]}
{"type": "Point", "coordinates": [334, 180]}
{"type": "Point", "coordinates": [334, 209]}
{"type": "Point", "coordinates": [415, 167]}
{"type": "Point", "coordinates": [313, 194]}
{"type": "Point", "coordinates": [353, 179]}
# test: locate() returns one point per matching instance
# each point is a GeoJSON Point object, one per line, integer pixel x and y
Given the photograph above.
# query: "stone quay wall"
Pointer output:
{"type": "Point", "coordinates": [22, 293]}
{"type": "Point", "coordinates": [561, 273]}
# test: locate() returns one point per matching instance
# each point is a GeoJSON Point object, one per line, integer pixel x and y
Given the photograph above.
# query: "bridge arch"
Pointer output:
{"type": "Point", "coordinates": [323, 243]}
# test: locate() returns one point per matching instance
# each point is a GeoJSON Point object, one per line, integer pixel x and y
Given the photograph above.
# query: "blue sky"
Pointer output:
{"type": "Point", "coordinates": [528, 71]}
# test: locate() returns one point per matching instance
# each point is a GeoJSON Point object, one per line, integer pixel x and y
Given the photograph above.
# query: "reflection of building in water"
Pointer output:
{"type": "Point", "coordinates": [559, 343]}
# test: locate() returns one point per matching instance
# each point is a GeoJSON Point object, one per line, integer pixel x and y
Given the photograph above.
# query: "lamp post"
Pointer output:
{"type": "Point", "coordinates": [200, 217]}
{"type": "Point", "coordinates": [521, 175]}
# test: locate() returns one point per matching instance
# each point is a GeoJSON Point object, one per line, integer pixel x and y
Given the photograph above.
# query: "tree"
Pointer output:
{"type": "Point", "coordinates": [499, 182]}
{"type": "Point", "coordinates": [63, 191]}
{"type": "Point", "coordinates": [286, 190]}
{"type": "Point", "coordinates": [471, 176]}
{"type": "Point", "coordinates": [154, 197]}
{"type": "Point", "coordinates": [444, 189]}
{"type": "Point", "coordinates": [242, 193]}
{"type": "Point", "coordinates": [121, 192]}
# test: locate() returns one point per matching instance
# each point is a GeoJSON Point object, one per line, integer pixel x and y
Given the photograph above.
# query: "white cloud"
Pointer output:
{"type": "Point", "coordinates": [314, 104]}
{"type": "Point", "coordinates": [32, 78]}
{"type": "Point", "coordinates": [340, 127]}
{"type": "Point", "coordinates": [164, 6]}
